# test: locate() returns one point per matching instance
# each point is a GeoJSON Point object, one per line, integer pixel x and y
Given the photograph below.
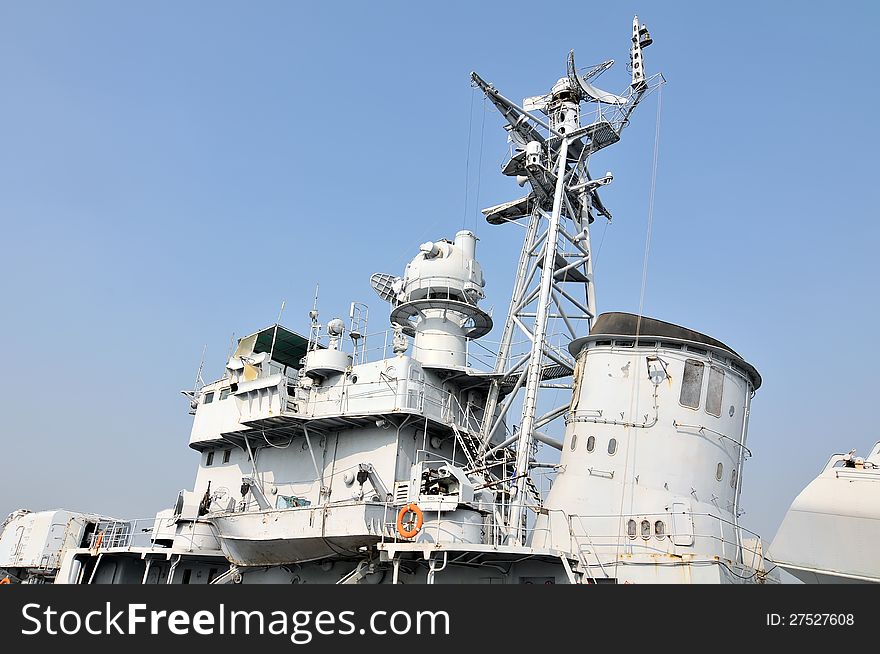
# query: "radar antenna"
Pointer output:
{"type": "Point", "coordinates": [587, 92]}
{"type": "Point", "coordinates": [196, 391]}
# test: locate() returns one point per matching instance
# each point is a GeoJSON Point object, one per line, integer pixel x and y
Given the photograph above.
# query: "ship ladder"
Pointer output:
{"type": "Point", "coordinates": [530, 484]}
{"type": "Point", "coordinates": [465, 446]}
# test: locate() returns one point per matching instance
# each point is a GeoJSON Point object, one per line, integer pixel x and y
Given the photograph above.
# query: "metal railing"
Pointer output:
{"type": "Point", "coordinates": [437, 524]}
{"type": "Point", "coordinates": [590, 543]}
{"type": "Point", "coordinates": [481, 354]}
{"type": "Point", "coordinates": [137, 533]}
{"type": "Point", "coordinates": [416, 395]}
{"type": "Point", "coordinates": [594, 547]}
{"type": "Point", "coordinates": [621, 541]}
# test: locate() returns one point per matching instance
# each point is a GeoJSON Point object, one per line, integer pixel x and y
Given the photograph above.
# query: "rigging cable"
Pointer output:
{"type": "Point", "coordinates": [650, 210]}
{"type": "Point", "coordinates": [480, 162]}
{"type": "Point", "coordinates": [601, 242]}
{"type": "Point", "coordinates": [403, 257]}
{"type": "Point", "coordinates": [635, 378]}
{"type": "Point", "coordinates": [467, 163]}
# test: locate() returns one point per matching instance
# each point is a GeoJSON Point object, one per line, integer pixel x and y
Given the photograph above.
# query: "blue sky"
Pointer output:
{"type": "Point", "coordinates": [169, 172]}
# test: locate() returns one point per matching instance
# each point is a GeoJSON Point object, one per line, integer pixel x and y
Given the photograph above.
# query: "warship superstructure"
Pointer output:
{"type": "Point", "coordinates": [407, 456]}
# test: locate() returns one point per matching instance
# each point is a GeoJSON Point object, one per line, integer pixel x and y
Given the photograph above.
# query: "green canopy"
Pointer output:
{"type": "Point", "coordinates": [286, 347]}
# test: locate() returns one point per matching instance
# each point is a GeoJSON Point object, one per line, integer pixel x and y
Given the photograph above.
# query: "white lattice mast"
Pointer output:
{"type": "Point", "coordinates": [554, 282]}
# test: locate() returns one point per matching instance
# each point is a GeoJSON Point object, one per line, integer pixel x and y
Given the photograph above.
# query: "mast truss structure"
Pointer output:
{"type": "Point", "coordinates": [553, 300]}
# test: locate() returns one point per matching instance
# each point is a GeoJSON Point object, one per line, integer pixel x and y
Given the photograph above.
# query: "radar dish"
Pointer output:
{"type": "Point", "coordinates": [587, 91]}
{"type": "Point", "coordinates": [384, 285]}
{"type": "Point", "coordinates": [597, 70]}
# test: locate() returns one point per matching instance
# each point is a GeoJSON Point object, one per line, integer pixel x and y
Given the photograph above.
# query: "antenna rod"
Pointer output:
{"type": "Point", "coordinates": [201, 365]}
{"type": "Point", "coordinates": [506, 106]}
{"type": "Point", "coordinates": [275, 332]}
{"type": "Point", "coordinates": [315, 328]}
{"type": "Point", "coordinates": [231, 346]}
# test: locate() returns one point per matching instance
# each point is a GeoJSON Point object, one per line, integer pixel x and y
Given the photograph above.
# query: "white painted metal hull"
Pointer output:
{"type": "Point", "coordinates": [831, 531]}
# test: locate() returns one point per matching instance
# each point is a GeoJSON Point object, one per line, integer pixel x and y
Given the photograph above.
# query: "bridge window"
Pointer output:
{"type": "Point", "coordinates": [224, 393]}
{"type": "Point", "coordinates": [209, 397]}
{"type": "Point", "coordinates": [209, 459]}
{"type": "Point", "coordinates": [691, 383]}
{"type": "Point", "coordinates": [659, 529]}
{"type": "Point", "coordinates": [226, 454]}
{"type": "Point", "coordinates": [631, 528]}
{"type": "Point", "coordinates": [646, 529]}
{"type": "Point", "coordinates": [715, 391]}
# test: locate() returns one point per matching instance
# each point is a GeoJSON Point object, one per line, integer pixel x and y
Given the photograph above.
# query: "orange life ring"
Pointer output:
{"type": "Point", "coordinates": [414, 525]}
{"type": "Point", "coordinates": [5, 580]}
{"type": "Point", "coordinates": [99, 540]}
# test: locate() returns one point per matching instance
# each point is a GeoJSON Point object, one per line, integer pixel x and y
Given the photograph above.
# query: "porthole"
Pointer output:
{"type": "Point", "coordinates": [733, 478]}
{"type": "Point", "coordinates": [731, 411]}
{"type": "Point", "coordinates": [591, 443]}
{"type": "Point", "coordinates": [659, 529]}
{"type": "Point", "coordinates": [646, 529]}
{"type": "Point", "coordinates": [354, 379]}
{"type": "Point", "coordinates": [631, 528]}
{"type": "Point", "coordinates": [612, 446]}
{"type": "Point", "coordinates": [719, 471]}
{"type": "Point", "coordinates": [574, 441]}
